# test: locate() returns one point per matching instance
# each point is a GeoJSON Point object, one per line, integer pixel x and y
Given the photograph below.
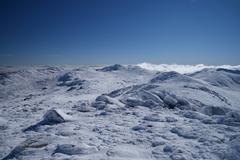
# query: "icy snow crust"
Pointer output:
{"type": "Point", "coordinates": [119, 112]}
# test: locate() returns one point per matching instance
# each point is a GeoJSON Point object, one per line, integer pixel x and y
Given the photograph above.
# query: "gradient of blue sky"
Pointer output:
{"type": "Point", "coordinates": [119, 31]}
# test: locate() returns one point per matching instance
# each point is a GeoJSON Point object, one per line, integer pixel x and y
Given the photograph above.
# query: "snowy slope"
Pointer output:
{"type": "Point", "coordinates": [119, 112]}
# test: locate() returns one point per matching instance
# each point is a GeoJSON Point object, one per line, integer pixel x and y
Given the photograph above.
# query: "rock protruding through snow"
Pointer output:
{"type": "Point", "coordinates": [51, 117]}
{"type": "Point", "coordinates": [123, 112]}
{"type": "Point", "coordinates": [32, 143]}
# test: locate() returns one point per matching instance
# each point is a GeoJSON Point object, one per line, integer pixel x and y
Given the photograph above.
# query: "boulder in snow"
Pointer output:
{"type": "Point", "coordinates": [168, 148]}
{"type": "Point", "coordinates": [170, 101]}
{"type": "Point", "coordinates": [51, 117]}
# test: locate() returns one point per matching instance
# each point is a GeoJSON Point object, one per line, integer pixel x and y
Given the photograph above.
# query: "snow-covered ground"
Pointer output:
{"type": "Point", "coordinates": [121, 112]}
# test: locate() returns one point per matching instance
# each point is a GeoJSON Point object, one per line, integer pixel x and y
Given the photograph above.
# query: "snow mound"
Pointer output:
{"type": "Point", "coordinates": [185, 132]}
{"type": "Point", "coordinates": [128, 151]}
{"type": "Point", "coordinates": [71, 149]}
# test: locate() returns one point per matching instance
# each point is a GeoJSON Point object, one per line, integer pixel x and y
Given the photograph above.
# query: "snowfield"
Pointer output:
{"type": "Point", "coordinates": [120, 112]}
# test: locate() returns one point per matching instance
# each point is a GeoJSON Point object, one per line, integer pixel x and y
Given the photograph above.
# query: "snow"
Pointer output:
{"type": "Point", "coordinates": [183, 112]}
{"type": "Point", "coordinates": [182, 68]}
{"type": "Point", "coordinates": [71, 149]}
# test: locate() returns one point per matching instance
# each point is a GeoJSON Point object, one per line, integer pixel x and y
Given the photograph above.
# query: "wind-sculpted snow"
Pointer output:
{"type": "Point", "coordinates": [219, 77]}
{"type": "Point", "coordinates": [71, 149]}
{"type": "Point", "coordinates": [119, 112]}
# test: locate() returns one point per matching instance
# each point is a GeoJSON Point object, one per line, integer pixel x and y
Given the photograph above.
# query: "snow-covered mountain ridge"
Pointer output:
{"type": "Point", "coordinates": [183, 68]}
{"type": "Point", "coordinates": [141, 111]}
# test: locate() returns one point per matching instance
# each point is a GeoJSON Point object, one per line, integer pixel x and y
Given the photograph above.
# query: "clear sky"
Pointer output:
{"type": "Point", "coordinates": [119, 31]}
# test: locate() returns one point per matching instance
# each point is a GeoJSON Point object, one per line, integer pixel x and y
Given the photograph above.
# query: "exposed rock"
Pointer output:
{"type": "Point", "coordinates": [167, 148]}
{"type": "Point", "coordinates": [99, 105]}
{"type": "Point", "coordinates": [170, 101]}
{"type": "Point", "coordinates": [138, 128]}
{"type": "Point", "coordinates": [234, 116]}
{"type": "Point", "coordinates": [32, 143]}
{"type": "Point", "coordinates": [51, 117]}
{"type": "Point", "coordinates": [157, 143]}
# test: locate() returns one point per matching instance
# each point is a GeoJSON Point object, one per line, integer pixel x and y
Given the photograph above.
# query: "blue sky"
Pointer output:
{"type": "Point", "coordinates": [119, 31]}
